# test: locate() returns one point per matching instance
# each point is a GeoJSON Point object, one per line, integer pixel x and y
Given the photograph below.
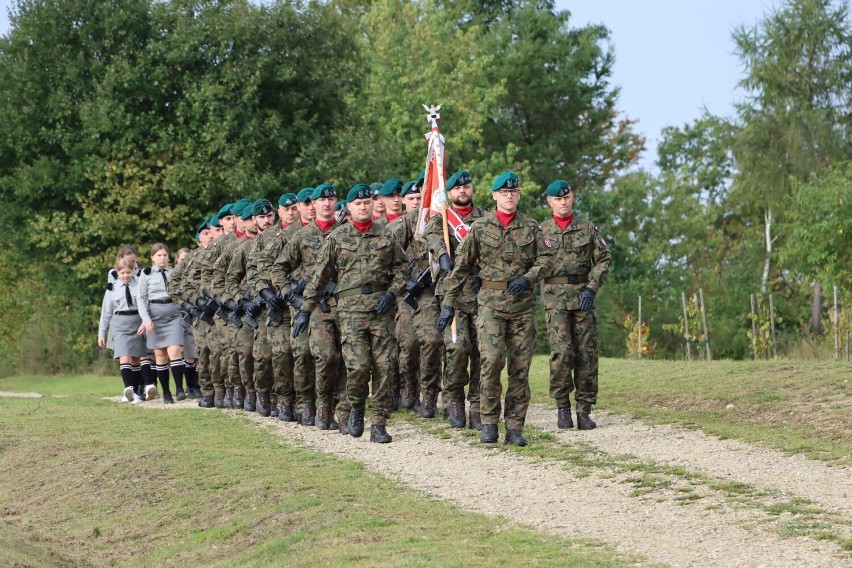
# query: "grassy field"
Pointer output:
{"type": "Point", "coordinates": [794, 406]}
{"type": "Point", "coordinates": [85, 481]}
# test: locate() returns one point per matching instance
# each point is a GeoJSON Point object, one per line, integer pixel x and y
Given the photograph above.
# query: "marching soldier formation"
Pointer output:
{"type": "Point", "coordinates": [317, 311]}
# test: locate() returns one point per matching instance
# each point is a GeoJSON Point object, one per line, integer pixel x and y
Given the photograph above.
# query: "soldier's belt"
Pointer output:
{"type": "Point", "coordinates": [127, 313]}
{"type": "Point", "coordinates": [494, 284]}
{"type": "Point", "coordinates": [163, 301]}
{"type": "Point", "coordinates": [569, 279]}
{"type": "Point", "coordinates": [368, 289]}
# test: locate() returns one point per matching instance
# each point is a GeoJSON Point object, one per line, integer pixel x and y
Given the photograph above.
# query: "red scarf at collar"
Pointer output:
{"type": "Point", "coordinates": [239, 233]}
{"type": "Point", "coordinates": [305, 224]}
{"type": "Point", "coordinates": [393, 216]}
{"type": "Point", "coordinates": [563, 222]}
{"type": "Point", "coordinates": [363, 227]}
{"type": "Point", "coordinates": [463, 211]}
{"type": "Point", "coordinates": [505, 218]}
{"type": "Point", "coordinates": [325, 226]}
{"type": "Point", "coordinates": [283, 226]}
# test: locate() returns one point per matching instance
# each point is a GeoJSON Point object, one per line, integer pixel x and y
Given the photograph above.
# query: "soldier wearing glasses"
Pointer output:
{"type": "Point", "coordinates": [512, 254]}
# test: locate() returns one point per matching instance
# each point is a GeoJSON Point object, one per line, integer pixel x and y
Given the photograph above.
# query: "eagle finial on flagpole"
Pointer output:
{"type": "Point", "coordinates": [433, 114]}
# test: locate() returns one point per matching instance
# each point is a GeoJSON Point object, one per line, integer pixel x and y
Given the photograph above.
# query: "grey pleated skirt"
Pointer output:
{"type": "Point", "coordinates": [123, 339]}
{"type": "Point", "coordinates": [168, 326]}
{"type": "Point", "coordinates": [190, 351]}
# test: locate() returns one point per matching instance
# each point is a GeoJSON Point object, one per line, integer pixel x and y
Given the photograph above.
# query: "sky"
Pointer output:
{"type": "Point", "coordinates": [673, 57]}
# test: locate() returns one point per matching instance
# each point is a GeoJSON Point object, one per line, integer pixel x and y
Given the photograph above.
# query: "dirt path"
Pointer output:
{"type": "Point", "coordinates": [552, 497]}
{"type": "Point", "coordinates": [827, 485]}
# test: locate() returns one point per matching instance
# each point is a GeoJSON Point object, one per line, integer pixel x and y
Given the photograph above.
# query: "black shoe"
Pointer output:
{"type": "Point", "coordinates": [428, 406]}
{"type": "Point", "coordinates": [167, 398]}
{"type": "Point", "coordinates": [228, 401]}
{"type": "Point", "coordinates": [249, 404]}
{"type": "Point", "coordinates": [323, 419]}
{"type": "Point", "coordinates": [180, 394]}
{"type": "Point", "coordinates": [192, 393]}
{"type": "Point", "coordinates": [332, 424]}
{"type": "Point", "coordinates": [206, 402]}
{"type": "Point", "coordinates": [273, 412]}
{"type": "Point", "coordinates": [309, 414]}
{"type": "Point", "coordinates": [515, 438]}
{"type": "Point", "coordinates": [475, 420]}
{"type": "Point", "coordinates": [585, 422]}
{"type": "Point", "coordinates": [219, 397]}
{"type": "Point", "coordinates": [356, 422]}
{"type": "Point", "coordinates": [379, 435]}
{"type": "Point", "coordinates": [489, 434]}
{"type": "Point", "coordinates": [456, 415]}
{"type": "Point", "coordinates": [264, 404]}
{"type": "Point", "coordinates": [285, 413]}
{"type": "Point", "coordinates": [563, 418]}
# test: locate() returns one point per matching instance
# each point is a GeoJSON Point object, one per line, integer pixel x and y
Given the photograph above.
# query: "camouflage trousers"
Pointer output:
{"type": "Point", "coordinates": [230, 359]}
{"type": "Point", "coordinates": [457, 357]}
{"type": "Point", "coordinates": [324, 342]}
{"type": "Point", "coordinates": [215, 343]}
{"type": "Point", "coordinates": [282, 360]}
{"type": "Point", "coordinates": [304, 376]}
{"type": "Point", "coordinates": [201, 331]}
{"type": "Point", "coordinates": [431, 344]}
{"type": "Point", "coordinates": [243, 354]}
{"type": "Point", "coordinates": [505, 339]}
{"type": "Point", "coordinates": [262, 355]}
{"type": "Point", "coordinates": [370, 356]}
{"type": "Point", "coordinates": [407, 366]}
{"type": "Point", "coordinates": [573, 337]}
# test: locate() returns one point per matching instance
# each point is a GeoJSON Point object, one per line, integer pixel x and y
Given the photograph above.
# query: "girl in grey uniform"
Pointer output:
{"type": "Point", "coordinates": [161, 322]}
{"type": "Point", "coordinates": [120, 316]}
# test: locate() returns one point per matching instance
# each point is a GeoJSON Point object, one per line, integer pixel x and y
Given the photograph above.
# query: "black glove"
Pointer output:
{"type": "Point", "coordinates": [385, 303]}
{"type": "Point", "coordinates": [273, 300]}
{"type": "Point", "coordinates": [587, 299]}
{"type": "Point", "coordinates": [232, 306]}
{"type": "Point", "coordinates": [447, 314]}
{"type": "Point", "coordinates": [518, 286]}
{"type": "Point", "coordinates": [294, 299]}
{"type": "Point", "coordinates": [413, 287]}
{"type": "Point", "coordinates": [477, 284]}
{"type": "Point", "coordinates": [300, 322]}
{"type": "Point", "coordinates": [299, 286]}
{"type": "Point", "coordinates": [446, 263]}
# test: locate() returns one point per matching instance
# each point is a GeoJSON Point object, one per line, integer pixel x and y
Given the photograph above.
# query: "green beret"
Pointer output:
{"type": "Point", "coordinates": [304, 194]}
{"type": "Point", "coordinates": [558, 188]}
{"type": "Point", "coordinates": [240, 208]}
{"type": "Point", "coordinates": [225, 211]}
{"type": "Point", "coordinates": [214, 222]}
{"type": "Point", "coordinates": [461, 177]}
{"type": "Point", "coordinates": [261, 207]}
{"type": "Point", "coordinates": [287, 200]}
{"type": "Point", "coordinates": [340, 205]}
{"type": "Point", "coordinates": [324, 190]}
{"type": "Point", "coordinates": [376, 186]}
{"type": "Point", "coordinates": [359, 191]}
{"type": "Point", "coordinates": [409, 188]}
{"type": "Point", "coordinates": [205, 224]}
{"type": "Point", "coordinates": [506, 180]}
{"type": "Point", "coordinates": [393, 185]}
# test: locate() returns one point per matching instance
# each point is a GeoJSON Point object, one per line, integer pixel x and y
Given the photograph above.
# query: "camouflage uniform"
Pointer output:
{"type": "Point", "coordinates": [407, 375]}
{"type": "Point", "coordinates": [234, 288]}
{"type": "Point", "coordinates": [181, 289]}
{"type": "Point", "coordinates": [431, 344]}
{"type": "Point", "coordinates": [506, 324]}
{"type": "Point", "coordinates": [581, 260]}
{"type": "Point", "coordinates": [302, 253]}
{"type": "Point", "coordinates": [465, 350]}
{"type": "Point", "coordinates": [303, 362]}
{"type": "Point", "coordinates": [364, 267]}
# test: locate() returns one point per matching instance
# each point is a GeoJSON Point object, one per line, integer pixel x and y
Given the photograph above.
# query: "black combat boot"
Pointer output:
{"type": "Point", "coordinates": [409, 395]}
{"type": "Point", "coordinates": [343, 424]}
{"type": "Point", "coordinates": [323, 419]}
{"type": "Point", "coordinates": [264, 404]}
{"type": "Point", "coordinates": [206, 402]}
{"type": "Point", "coordinates": [563, 417]}
{"type": "Point", "coordinates": [456, 414]}
{"type": "Point", "coordinates": [356, 422]}
{"type": "Point", "coordinates": [585, 422]}
{"type": "Point", "coordinates": [427, 407]}
{"type": "Point", "coordinates": [379, 435]}
{"type": "Point", "coordinates": [228, 401]}
{"type": "Point", "coordinates": [286, 413]}
{"type": "Point", "coordinates": [249, 402]}
{"type": "Point", "coordinates": [309, 414]}
{"type": "Point", "coordinates": [219, 397]}
{"type": "Point", "coordinates": [273, 409]}
{"type": "Point", "coordinates": [489, 434]}
{"type": "Point", "coordinates": [167, 398]}
{"type": "Point", "coordinates": [475, 421]}
{"type": "Point", "coordinates": [515, 438]}
{"type": "Point", "coordinates": [238, 397]}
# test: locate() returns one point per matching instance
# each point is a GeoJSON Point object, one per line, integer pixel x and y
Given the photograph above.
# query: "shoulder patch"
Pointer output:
{"type": "Point", "coordinates": [109, 286]}
{"type": "Point", "coordinates": [547, 243]}
{"type": "Point", "coordinates": [147, 270]}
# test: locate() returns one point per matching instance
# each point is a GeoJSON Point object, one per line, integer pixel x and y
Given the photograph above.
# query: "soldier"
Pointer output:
{"type": "Point", "coordinates": [303, 361]}
{"type": "Point", "coordinates": [429, 346]}
{"type": "Point", "coordinates": [391, 197]}
{"type": "Point", "coordinates": [464, 350]}
{"type": "Point", "coordinates": [512, 255]}
{"type": "Point", "coordinates": [580, 266]}
{"type": "Point", "coordinates": [369, 270]}
{"type": "Point", "coordinates": [190, 348]}
{"type": "Point", "coordinates": [302, 253]}
{"type": "Point", "coordinates": [378, 204]}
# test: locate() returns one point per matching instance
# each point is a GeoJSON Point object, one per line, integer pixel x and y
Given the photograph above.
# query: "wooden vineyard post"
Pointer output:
{"type": "Point", "coordinates": [686, 327]}
{"type": "Point", "coordinates": [753, 329]}
{"type": "Point", "coordinates": [772, 325]}
{"type": "Point", "coordinates": [836, 327]}
{"type": "Point", "coordinates": [704, 319]}
{"type": "Point", "coordinates": [639, 335]}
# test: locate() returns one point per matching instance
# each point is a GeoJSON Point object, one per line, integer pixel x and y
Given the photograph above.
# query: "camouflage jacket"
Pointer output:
{"type": "Point", "coordinates": [502, 255]}
{"type": "Point", "coordinates": [355, 260]}
{"type": "Point", "coordinates": [416, 247]}
{"type": "Point", "coordinates": [272, 257]}
{"type": "Point", "coordinates": [208, 264]}
{"type": "Point", "coordinates": [302, 252]}
{"type": "Point", "coordinates": [235, 277]}
{"type": "Point", "coordinates": [179, 284]}
{"type": "Point", "coordinates": [580, 253]}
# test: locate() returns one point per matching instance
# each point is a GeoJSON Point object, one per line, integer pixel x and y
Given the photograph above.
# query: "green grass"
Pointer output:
{"type": "Point", "coordinates": [86, 481]}
{"type": "Point", "coordinates": [796, 407]}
